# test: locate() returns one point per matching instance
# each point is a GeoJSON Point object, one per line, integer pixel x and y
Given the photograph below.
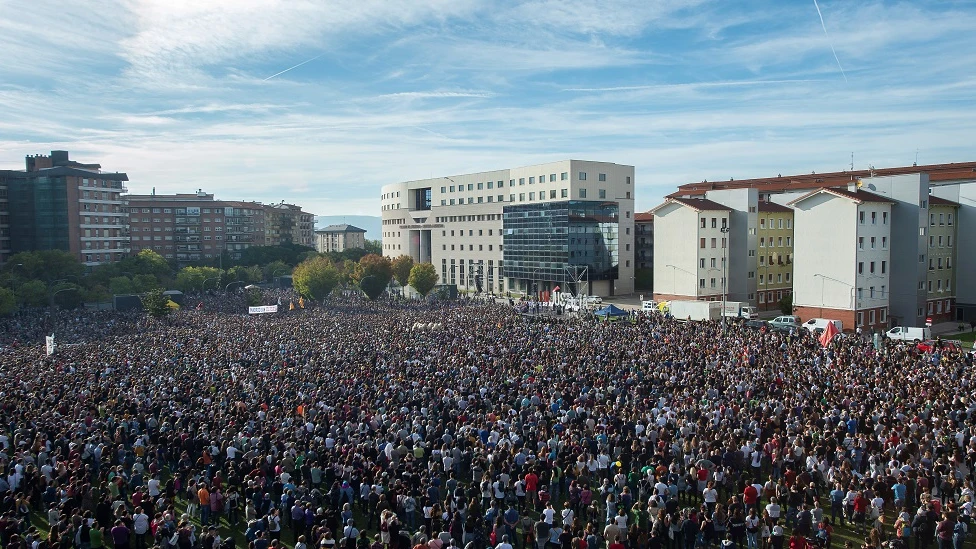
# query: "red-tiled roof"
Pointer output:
{"type": "Point", "coordinates": [773, 207]}
{"type": "Point", "coordinates": [938, 201]}
{"type": "Point", "coordinates": [938, 173]}
{"type": "Point", "coordinates": [857, 196]}
{"type": "Point", "coordinates": [701, 204]}
{"type": "Point", "coordinates": [644, 217]}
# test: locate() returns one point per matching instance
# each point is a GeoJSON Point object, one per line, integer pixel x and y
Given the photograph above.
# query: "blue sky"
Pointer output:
{"type": "Point", "coordinates": [177, 92]}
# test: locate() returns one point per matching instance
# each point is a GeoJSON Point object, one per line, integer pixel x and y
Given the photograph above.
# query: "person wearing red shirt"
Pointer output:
{"type": "Point", "coordinates": [860, 508]}
{"type": "Point", "coordinates": [750, 497]}
{"type": "Point", "coordinates": [616, 544]}
{"type": "Point", "coordinates": [532, 488]}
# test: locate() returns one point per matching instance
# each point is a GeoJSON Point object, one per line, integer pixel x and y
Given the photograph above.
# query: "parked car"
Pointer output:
{"type": "Point", "coordinates": [908, 333]}
{"type": "Point", "coordinates": [817, 325]}
{"type": "Point", "coordinates": [786, 322]}
{"type": "Point", "coordinates": [756, 324]}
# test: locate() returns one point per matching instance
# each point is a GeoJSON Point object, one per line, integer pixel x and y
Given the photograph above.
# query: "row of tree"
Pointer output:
{"type": "Point", "coordinates": [317, 277]}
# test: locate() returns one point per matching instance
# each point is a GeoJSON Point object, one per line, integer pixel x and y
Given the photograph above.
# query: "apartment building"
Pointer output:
{"type": "Point", "coordinates": [644, 240]}
{"type": "Point", "coordinates": [915, 192]}
{"type": "Point", "coordinates": [843, 257]}
{"type": "Point", "coordinates": [59, 204]}
{"type": "Point", "coordinates": [339, 238]}
{"type": "Point", "coordinates": [288, 224]}
{"type": "Point", "coordinates": [775, 265]}
{"type": "Point", "coordinates": [194, 227]}
{"type": "Point", "coordinates": [940, 283]}
{"type": "Point", "coordinates": [530, 229]}
{"type": "Point", "coordinates": [4, 216]}
{"type": "Point", "coordinates": [691, 249]}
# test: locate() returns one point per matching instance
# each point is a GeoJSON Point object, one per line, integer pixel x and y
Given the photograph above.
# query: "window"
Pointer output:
{"type": "Point", "coordinates": [872, 267]}
{"type": "Point", "coordinates": [779, 242]}
{"type": "Point", "coordinates": [920, 312]}
{"type": "Point", "coordinates": [789, 242]}
{"type": "Point", "coordinates": [702, 244]}
{"type": "Point", "coordinates": [874, 218]}
{"type": "Point", "coordinates": [714, 223]}
{"type": "Point", "coordinates": [873, 242]}
{"type": "Point", "coordinates": [762, 296]}
{"type": "Point", "coordinates": [762, 242]}
{"type": "Point", "coordinates": [884, 267]}
{"type": "Point", "coordinates": [925, 203]}
{"type": "Point", "coordinates": [932, 219]}
{"type": "Point", "coordinates": [582, 193]}
{"type": "Point", "coordinates": [582, 176]}
{"type": "Point", "coordinates": [860, 268]}
{"type": "Point", "coordinates": [532, 196]}
{"type": "Point", "coordinates": [602, 193]}
{"type": "Point", "coordinates": [511, 182]}
{"type": "Point", "coordinates": [872, 292]}
{"type": "Point", "coordinates": [564, 193]}
{"type": "Point", "coordinates": [789, 223]}
{"type": "Point", "coordinates": [948, 263]}
{"type": "Point", "coordinates": [752, 274]}
{"type": "Point", "coordinates": [860, 319]}
{"type": "Point", "coordinates": [762, 260]}
{"type": "Point", "coordinates": [779, 278]}
{"type": "Point", "coordinates": [565, 175]}
{"type": "Point", "coordinates": [884, 218]}
{"type": "Point", "coordinates": [714, 242]}
{"type": "Point", "coordinates": [552, 193]}
{"type": "Point", "coordinates": [481, 186]}
{"type": "Point", "coordinates": [703, 222]}
{"type": "Point", "coordinates": [762, 279]}
{"type": "Point", "coordinates": [941, 244]}
{"type": "Point", "coordinates": [929, 286]}
{"type": "Point", "coordinates": [883, 291]}
{"type": "Point", "coordinates": [713, 282]}
{"type": "Point", "coordinates": [762, 223]}
{"type": "Point", "coordinates": [884, 242]}
{"type": "Point", "coordinates": [931, 264]}
{"type": "Point", "coordinates": [949, 241]}
{"type": "Point", "coordinates": [860, 216]}
{"type": "Point", "coordinates": [787, 277]}
{"type": "Point", "coordinates": [552, 177]}
{"type": "Point", "coordinates": [521, 197]}
{"type": "Point", "coordinates": [949, 219]}
{"type": "Point", "coordinates": [602, 177]}
{"type": "Point", "coordinates": [921, 231]}
{"type": "Point", "coordinates": [941, 219]}
{"type": "Point", "coordinates": [921, 258]}
{"type": "Point", "coordinates": [780, 223]}
{"type": "Point", "coordinates": [940, 263]}
{"type": "Point", "coordinates": [470, 186]}
{"type": "Point", "coordinates": [532, 180]}
{"type": "Point", "coordinates": [871, 314]}
{"type": "Point", "coordinates": [921, 285]}
{"type": "Point", "coordinates": [938, 284]}
{"type": "Point", "coordinates": [701, 282]}
{"type": "Point", "coordinates": [701, 263]}
{"type": "Point", "coordinates": [521, 181]}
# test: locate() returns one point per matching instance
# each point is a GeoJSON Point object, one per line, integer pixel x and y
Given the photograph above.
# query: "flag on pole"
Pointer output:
{"type": "Point", "coordinates": [828, 334]}
{"type": "Point", "coordinates": [291, 305]}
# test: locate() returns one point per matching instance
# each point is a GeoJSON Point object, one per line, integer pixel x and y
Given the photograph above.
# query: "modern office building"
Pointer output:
{"type": "Point", "coordinates": [566, 224]}
{"type": "Point", "coordinates": [288, 224]}
{"type": "Point", "coordinates": [775, 265]}
{"type": "Point", "coordinates": [194, 227]}
{"type": "Point", "coordinates": [339, 238]}
{"type": "Point", "coordinates": [60, 204]}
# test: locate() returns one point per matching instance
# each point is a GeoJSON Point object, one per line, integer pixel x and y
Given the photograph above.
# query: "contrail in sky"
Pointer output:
{"type": "Point", "coordinates": [825, 34]}
{"type": "Point", "coordinates": [302, 63]}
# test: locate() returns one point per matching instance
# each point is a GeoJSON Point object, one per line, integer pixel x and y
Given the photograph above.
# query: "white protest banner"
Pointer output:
{"type": "Point", "coordinates": [262, 309]}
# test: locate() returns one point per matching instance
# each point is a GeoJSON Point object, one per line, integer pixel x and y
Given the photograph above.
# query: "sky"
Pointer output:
{"type": "Point", "coordinates": [321, 102]}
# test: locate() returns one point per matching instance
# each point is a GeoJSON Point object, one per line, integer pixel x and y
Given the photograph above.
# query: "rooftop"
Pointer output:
{"type": "Point", "coordinates": [772, 207]}
{"type": "Point", "coordinates": [858, 196]}
{"type": "Point", "coordinates": [341, 228]}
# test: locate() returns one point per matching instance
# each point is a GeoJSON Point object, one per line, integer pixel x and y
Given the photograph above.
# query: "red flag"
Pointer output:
{"type": "Point", "coordinates": [556, 289]}
{"type": "Point", "coordinates": [828, 334]}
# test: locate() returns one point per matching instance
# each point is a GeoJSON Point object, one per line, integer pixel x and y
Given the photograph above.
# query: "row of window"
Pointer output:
{"type": "Point", "coordinates": [780, 259]}
{"type": "Point", "coordinates": [937, 264]}
{"type": "Point", "coordinates": [772, 297]}
{"type": "Point", "coordinates": [874, 242]}
{"type": "Point", "coordinates": [779, 242]}
{"type": "Point", "coordinates": [170, 237]}
{"type": "Point", "coordinates": [871, 292]}
{"type": "Point", "coordinates": [938, 307]}
{"type": "Point", "coordinates": [873, 316]}
{"type": "Point", "coordinates": [779, 279]}
{"type": "Point", "coordinates": [938, 286]}
{"type": "Point", "coordinates": [874, 218]}
{"type": "Point", "coordinates": [947, 242]}
{"type": "Point", "coordinates": [712, 282]}
{"type": "Point", "coordinates": [463, 218]}
{"type": "Point", "coordinates": [942, 219]}
{"type": "Point", "coordinates": [871, 265]}
{"type": "Point", "coordinates": [714, 242]}
{"type": "Point", "coordinates": [762, 223]}
{"type": "Point", "coordinates": [704, 222]}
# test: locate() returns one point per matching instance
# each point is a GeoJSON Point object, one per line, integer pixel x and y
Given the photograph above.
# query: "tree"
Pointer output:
{"type": "Point", "coordinates": [156, 304]}
{"type": "Point", "coordinates": [145, 282]}
{"type": "Point", "coordinates": [254, 297]}
{"type": "Point", "coordinates": [67, 296]}
{"type": "Point", "coordinates": [786, 305]}
{"type": "Point", "coordinates": [122, 285]}
{"type": "Point", "coordinates": [374, 247]}
{"type": "Point", "coordinates": [374, 273]}
{"type": "Point", "coordinates": [315, 278]}
{"type": "Point", "coordinates": [275, 269]}
{"type": "Point", "coordinates": [423, 278]}
{"type": "Point", "coordinates": [45, 265]}
{"type": "Point", "coordinates": [402, 266]}
{"type": "Point", "coordinates": [32, 293]}
{"type": "Point", "coordinates": [191, 279]}
{"type": "Point", "coordinates": [8, 301]}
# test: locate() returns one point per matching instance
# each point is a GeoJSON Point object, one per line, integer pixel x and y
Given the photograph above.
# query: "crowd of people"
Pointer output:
{"type": "Point", "coordinates": [435, 425]}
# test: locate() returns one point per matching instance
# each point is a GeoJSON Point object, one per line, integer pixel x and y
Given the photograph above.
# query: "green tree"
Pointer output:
{"type": "Point", "coordinates": [786, 305]}
{"type": "Point", "coordinates": [374, 273]}
{"type": "Point", "coordinates": [254, 297]}
{"type": "Point", "coordinates": [374, 247]}
{"type": "Point", "coordinates": [192, 279]}
{"type": "Point", "coordinates": [423, 278]}
{"type": "Point", "coordinates": [96, 293]}
{"type": "Point", "coordinates": [315, 278]}
{"type": "Point", "coordinates": [146, 262]}
{"type": "Point", "coordinates": [275, 269]}
{"type": "Point", "coordinates": [156, 304]}
{"type": "Point", "coordinates": [67, 296]}
{"type": "Point", "coordinates": [32, 294]}
{"type": "Point", "coordinates": [146, 282]}
{"type": "Point", "coordinates": [402, 266]}
{"type": "Point", "coordinates": [122, 285]}
{"type": "Point", "coordinates": [8, 301]}
{"type": "Point", "coordinates": [45, 265]}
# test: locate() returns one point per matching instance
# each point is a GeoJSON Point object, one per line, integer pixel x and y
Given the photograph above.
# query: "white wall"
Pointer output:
{"type": "Point", "coordinates": [825, 243]}
{"type": "Point", "coordinates": [743, 237]}
{"type": "Point", "coordinates": [676, 243]}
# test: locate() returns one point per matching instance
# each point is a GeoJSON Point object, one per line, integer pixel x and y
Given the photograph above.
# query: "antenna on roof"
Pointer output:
{"type": "Point", "coordinates": [852, 161]}
{"type": "Point", "coordinates": [916, 158]}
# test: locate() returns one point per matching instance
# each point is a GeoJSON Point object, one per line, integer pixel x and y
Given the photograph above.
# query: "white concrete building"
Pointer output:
{"type": "Point", "coordinates": [527, 229]}
{"type": "Point", "coordinates": [705, 248]}
{"type": "Point", "coordinates": [843, 257]}
{"type": "Point", "coordinates": [690, 249]}
{"type": "Point", "coordinates": [340, 237]}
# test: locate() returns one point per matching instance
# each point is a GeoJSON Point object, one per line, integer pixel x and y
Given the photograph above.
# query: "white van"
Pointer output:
{"type": "Point", "coordinates": [907, 333]}
{"type": "Point", "coordinates": [821, 323]}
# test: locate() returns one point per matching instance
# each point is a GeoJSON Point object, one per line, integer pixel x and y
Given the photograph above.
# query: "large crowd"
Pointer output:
{"type": "Point", "coordinates": [440, 425]}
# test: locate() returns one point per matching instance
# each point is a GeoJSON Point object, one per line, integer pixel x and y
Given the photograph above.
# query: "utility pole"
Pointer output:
{"type": "Point", "coordinates": [727, 237]}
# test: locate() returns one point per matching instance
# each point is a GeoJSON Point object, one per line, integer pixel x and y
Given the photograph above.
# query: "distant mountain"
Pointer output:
{"type": "Point", "coordinates": [371, 223]}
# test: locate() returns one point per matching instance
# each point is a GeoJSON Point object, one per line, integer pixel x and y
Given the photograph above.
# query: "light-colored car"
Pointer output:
{"type": "Point", "coordinates": [785, 322]}
{"type": "Point", "coordinates": [909, 333]}
{"type": "Point", "coordinates": [815, 324]}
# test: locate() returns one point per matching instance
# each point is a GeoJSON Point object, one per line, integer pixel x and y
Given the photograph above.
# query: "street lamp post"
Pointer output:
{"type": "Point", "coordinates": [727, 238]}
{"type": "Point", "coordinates": [204, 285]}
{"type": "Point", "coordinates": [673, 283]}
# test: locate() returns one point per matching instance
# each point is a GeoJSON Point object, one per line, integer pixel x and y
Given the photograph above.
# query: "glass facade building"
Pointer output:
{"type": "Point", "coordinates": [542, 240]}
{"type": "Point", "coordinates": [39, 213]}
